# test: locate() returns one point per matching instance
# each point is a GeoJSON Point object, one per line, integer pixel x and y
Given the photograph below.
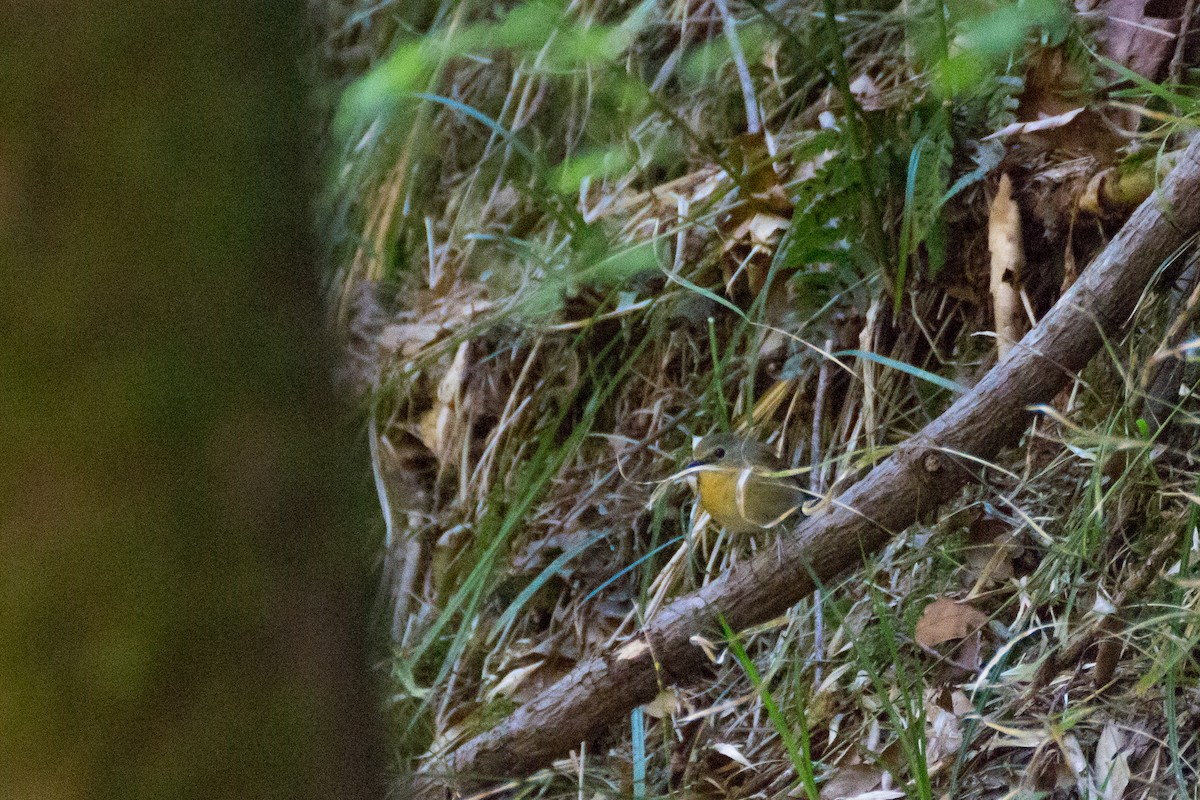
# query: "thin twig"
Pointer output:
{"type": "Point", "coordinates": [815, 480]}
{"type": "Point", "coordinates": [817, 486]}
{"type": "Point", "coordinates": [1175, 71]}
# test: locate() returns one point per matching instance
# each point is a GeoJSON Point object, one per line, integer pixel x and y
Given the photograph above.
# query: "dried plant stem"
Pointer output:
{"type": "Point", "coordinates": [1004, 242]}
{"type": "Point", "coordinates": [1175, 71]}
{"type": "Point", "coordinates": [866, 343]}
{"type": "Point", "coordinates": [816, 482]}
{"type": "Point", "coordinates": [753, 123]}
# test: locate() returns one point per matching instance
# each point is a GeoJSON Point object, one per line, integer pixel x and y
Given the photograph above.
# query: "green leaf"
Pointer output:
{"type": "Point", "coordinates": [599, 163]}
{"type": "Point", "coordinates": [504, 133]}
{"type": "Point", "coordinates": [700, 290]}
{"type": "Point", "coordinates": [383, 88]}
{"type": "Point", "coordinates": [623, 264]}
{"type": "Point", "coordinates": [988, 157]}
{"type": "Point", "coordinates": [528, 26]}
{"type": "Point", "coordinates": [1158, 90]}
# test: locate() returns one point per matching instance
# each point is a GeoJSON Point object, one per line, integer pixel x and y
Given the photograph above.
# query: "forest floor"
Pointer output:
{"type": "Point", "coordinates": [567, 239]}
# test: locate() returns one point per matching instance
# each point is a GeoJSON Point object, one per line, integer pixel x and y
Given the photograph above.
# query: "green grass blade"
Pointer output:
{"type": "Point", "coordinates": [916, 372]}
{"type": "Point", "coordinates": [700, 290]}
{"type": "Point", "coordinates": [907, 223]}
{"type": "Point", "coordinates": [551, 569]}
{"type": "Point", "coordinates": [798, 751]}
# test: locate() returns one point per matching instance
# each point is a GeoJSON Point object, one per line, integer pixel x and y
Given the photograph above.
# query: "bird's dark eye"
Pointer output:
{"type": "Point", "coordinates": [719, 452]}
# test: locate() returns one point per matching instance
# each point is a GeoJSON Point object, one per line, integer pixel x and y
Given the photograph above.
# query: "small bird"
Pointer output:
{"type": "Point", "coordinates": [741, 485]}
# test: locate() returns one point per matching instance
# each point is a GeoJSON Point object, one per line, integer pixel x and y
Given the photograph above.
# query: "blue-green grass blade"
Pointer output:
{"type": "Point", "coordinates": [551, 569]}
{"type": "Point", "coordinates": [916, 372]}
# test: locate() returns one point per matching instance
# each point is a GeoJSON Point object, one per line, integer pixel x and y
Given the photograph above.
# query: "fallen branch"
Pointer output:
{"type": "Point", "coordinates": [927, 470]}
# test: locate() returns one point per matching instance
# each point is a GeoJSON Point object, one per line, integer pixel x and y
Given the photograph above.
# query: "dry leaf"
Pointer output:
{"type": "Point", "coordinates": [1110, 767]}
{"type": "Point", "coordinates": [509, 683]}
{"type": "Point", "coordinates": [945, 619]}
{"type": "Point", "coordinates": [1053, 84]}
{"type": "Point", "coordinates": [762, 230]}
{"type": "Point", "coordinates": [663, 705]}
{"type": "Point", "coordinates": [438, 428]}
{"type": "Point", "coordinates": [1041, 124]}
{"type": "Point", "coordinates": [1050, 114]}
{"type": "Point", "coordinates": [943, 726]}
{"type": "Point", "coordinates": [1081, 131]}
{"type": "Point", "coordinates": [1074, 763]}
{"type": "Point", "coordinates": [752, 228]}
{"type": "Point", "coordinates": [407, 339]}
{"type": "Point", "coordinates": [1143, 42]}
{"type": "Point", "coordinates": [1027, 738]}
{"type": "Point", "coordinates": [968, 655]}
{"type": "Point", "coordinates": [851, 781]}
{"type": "Point", "coordinates": [732, 753]}
{"type": "Point", "coordinates": [867, 93]}
{"type": "Point", "coordinates": [990, 551]}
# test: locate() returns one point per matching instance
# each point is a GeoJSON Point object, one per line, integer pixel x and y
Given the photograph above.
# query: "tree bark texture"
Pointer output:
{"type": "Point", "coordinates": [184, 570]}
{"type": "Point", "coordinates": [924, 472]}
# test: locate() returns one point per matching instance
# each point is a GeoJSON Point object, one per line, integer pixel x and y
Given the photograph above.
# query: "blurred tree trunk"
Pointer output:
{"type": "Point", "coordinates": [182, 586]}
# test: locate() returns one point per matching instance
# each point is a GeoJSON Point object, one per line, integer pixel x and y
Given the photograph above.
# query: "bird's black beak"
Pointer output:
{"type": "Point", "coordinates": [695, 464]}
